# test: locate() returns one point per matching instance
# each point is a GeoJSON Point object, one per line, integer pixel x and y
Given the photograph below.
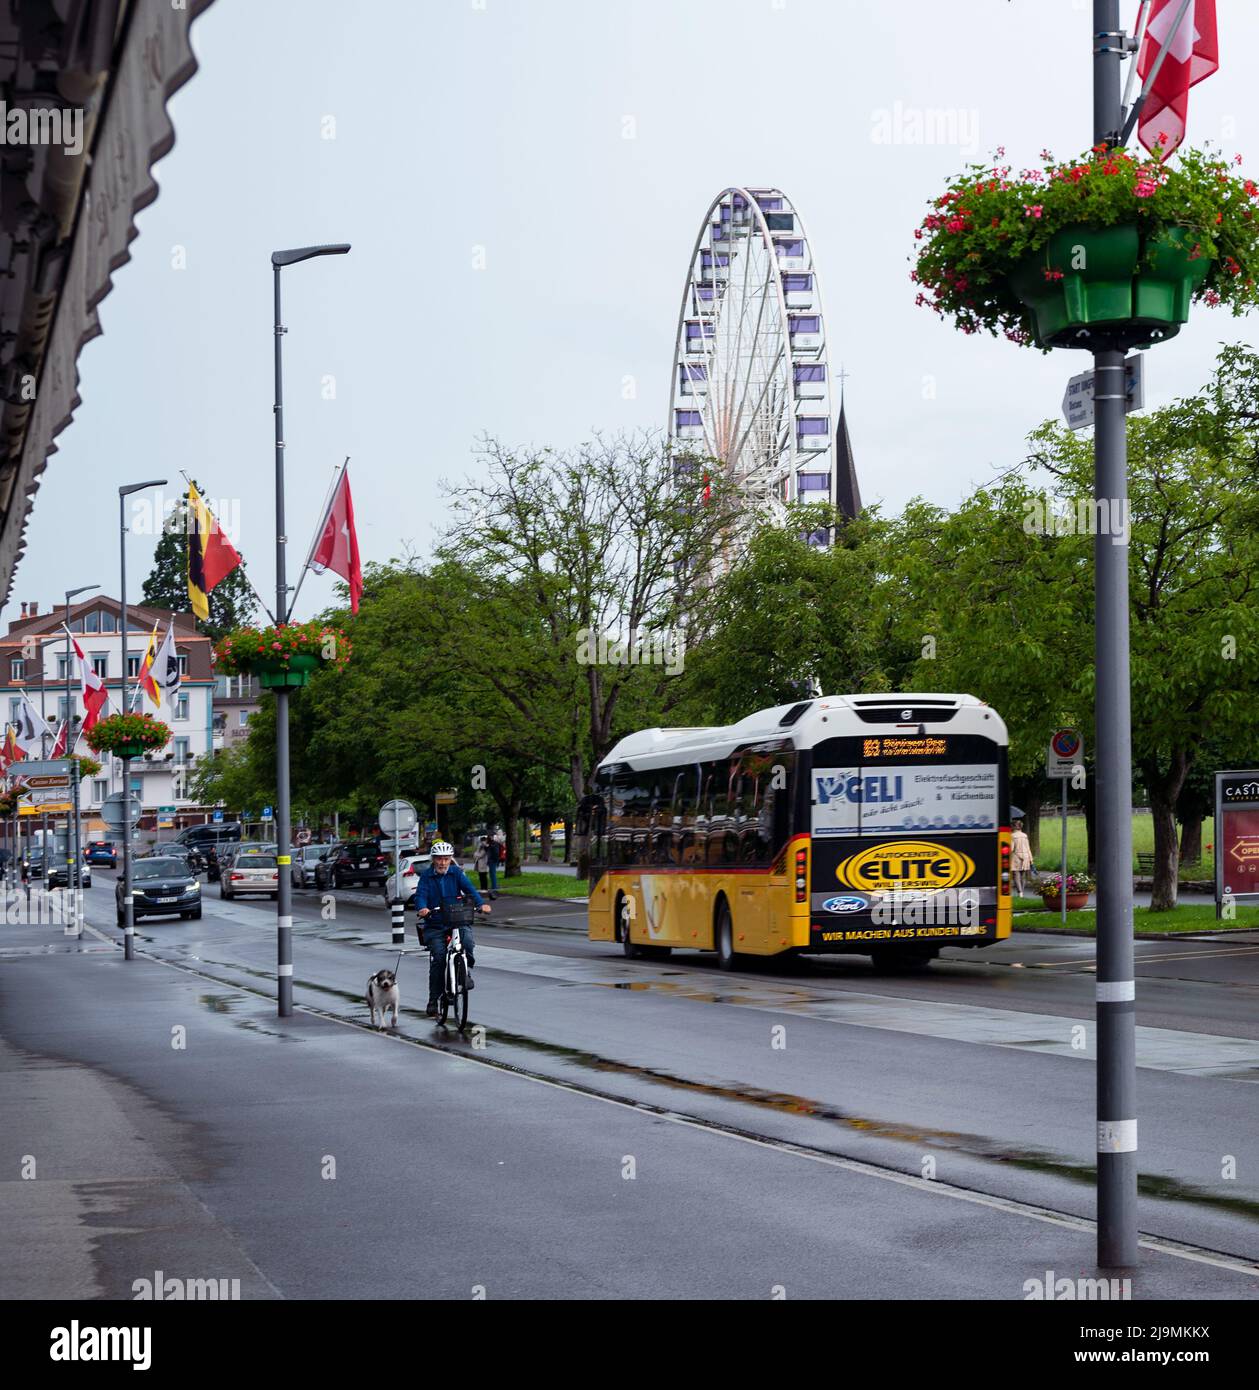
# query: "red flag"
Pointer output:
{"type": "Point", "coordinates": [59, 743]}
{"type": "Point", "coordinates": [91, 688]}
{"type": "Point", "coordinates": [1193, 52]}
{"type": "Point", "coordinates": [337, 547]}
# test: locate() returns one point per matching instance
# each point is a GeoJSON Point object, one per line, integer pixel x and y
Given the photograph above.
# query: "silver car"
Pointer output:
{"type": "Point", "coordinates": [304, 861]}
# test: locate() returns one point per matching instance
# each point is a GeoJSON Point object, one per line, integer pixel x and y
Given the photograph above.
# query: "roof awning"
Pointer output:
{"type": "Point", "coordinates": [86, 99]}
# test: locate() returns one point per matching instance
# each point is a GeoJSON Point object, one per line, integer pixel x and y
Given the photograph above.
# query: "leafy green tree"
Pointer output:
{"type": "Point", "coordinates": [232, 602]}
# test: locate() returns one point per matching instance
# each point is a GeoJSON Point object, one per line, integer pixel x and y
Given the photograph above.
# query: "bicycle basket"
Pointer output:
{"type": "Point", "coordinates": [456, 913]}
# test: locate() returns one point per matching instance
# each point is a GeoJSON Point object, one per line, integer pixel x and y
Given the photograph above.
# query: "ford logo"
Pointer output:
{"type": "Point", "coordinates": [850, 902]}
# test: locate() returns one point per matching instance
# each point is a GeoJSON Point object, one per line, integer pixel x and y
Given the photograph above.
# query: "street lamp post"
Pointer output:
{"type": "Point", "coordinates": [74, 872]}
{"type": "Point", "coordinates": [284, 898]}
{"type": "Point", "coordinates": [1116, 989]}
{"type": "Point", "coordinates": [129, 922]}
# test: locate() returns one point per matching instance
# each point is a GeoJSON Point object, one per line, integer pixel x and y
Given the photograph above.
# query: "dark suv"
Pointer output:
{"type": "Point", "coordinates": [358, 861]}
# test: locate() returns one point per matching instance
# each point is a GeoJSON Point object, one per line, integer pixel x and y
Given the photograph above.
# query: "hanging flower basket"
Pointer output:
{"type": "Point", "coordinates": [88, 767]}
{"type": "Point", "coordinates": [283, 656]}
{"type": "Point", "coordinates": [128, 735]}
{"type": "Point", "coordinates": [1105, 251]}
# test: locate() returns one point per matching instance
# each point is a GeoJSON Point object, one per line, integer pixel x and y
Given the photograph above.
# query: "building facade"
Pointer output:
{"type": "Point", "coordinates": [36, 659]}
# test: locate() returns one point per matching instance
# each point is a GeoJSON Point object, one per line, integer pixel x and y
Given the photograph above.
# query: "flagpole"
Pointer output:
{"type": "Point", "coordinates": [244, 569]}
{"type": "Point", "coordinates": [1139, 105]}
{"type": "Point", "coordinates": [319, 530]}
{"type": "Point", "coordinates": [1136, 52]}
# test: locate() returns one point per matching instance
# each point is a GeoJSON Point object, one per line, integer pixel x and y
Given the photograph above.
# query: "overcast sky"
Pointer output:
{"type": "Point", "coordinates": [516, 257]}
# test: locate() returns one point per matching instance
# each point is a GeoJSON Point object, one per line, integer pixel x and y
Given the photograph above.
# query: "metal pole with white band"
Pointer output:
{"type": "Point", "coordinates": [1116, 990]}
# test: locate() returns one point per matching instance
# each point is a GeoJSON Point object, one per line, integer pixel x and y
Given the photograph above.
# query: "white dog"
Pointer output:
{"type": "Point", "coordinates": [383, 996]}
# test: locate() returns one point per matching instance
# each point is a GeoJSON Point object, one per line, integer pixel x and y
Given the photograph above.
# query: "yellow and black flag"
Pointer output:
{"type": "Point", "coordinates": [211, 556]}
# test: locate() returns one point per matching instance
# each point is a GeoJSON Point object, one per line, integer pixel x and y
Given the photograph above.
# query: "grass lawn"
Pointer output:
{"type": "Point", "coordinates": [543, 885]}
{"type": "Point", "coordinates": [1049, 859]}
{"type": "Point", "coordinates": [1190, 917]}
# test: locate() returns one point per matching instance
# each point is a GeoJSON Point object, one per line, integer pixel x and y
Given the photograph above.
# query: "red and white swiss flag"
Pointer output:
{"type": "Point", "coordinates": [91, 688]}
{"type": "Point", "coordinates": [1193, 52]}
{"type": "Point", "coordinates": [337, 547]}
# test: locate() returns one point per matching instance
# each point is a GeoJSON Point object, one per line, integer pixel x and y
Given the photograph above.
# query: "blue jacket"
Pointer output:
{"type": "Point", "coordinates": [434, 888]}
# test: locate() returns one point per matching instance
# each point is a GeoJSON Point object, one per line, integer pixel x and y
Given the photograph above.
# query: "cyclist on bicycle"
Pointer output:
{"type": "Point", "coordinates": [443, 882]}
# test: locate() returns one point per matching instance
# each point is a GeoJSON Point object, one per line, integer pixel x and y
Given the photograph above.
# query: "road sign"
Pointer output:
{"type": "Point", "coordinates": [165, 817]}
{"type": "Point", "coordinates": [113, 812]}
{"type": "Point", "coordinates": [1236, 840]}
{"type": "Point", "coordinates": [218, 817]}
{"type": "Point", "coordinates": [46, 780]}
{"type": "Point", "coordinates": [45, 767]}
{"type": "Point", "coordinates": [267, 813]}
{"type": "Point", "coordinates": [406, 842]}
{"type": "Point", "coordinates": [1066, 752]}
{"type": "Point", "coordinates": [1077, 400]}
{"type": "Point", "coordinates": [398, 818]}
{"type": "Point", "coordinates": [447, 798]}
{"type": "Point", "coordinates": [303, 836]}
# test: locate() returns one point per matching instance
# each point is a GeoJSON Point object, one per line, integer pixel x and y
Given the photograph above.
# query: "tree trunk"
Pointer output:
{"type": "Point", "coordinates": [579, 847]}
{"type": "Point", "coordinates": [546, 839]}
{"type": "Point", "coordinates": [1166, 854]}
{"type": "Point", "coordinates": [1163, 789]}
{"type": "Point", "coordinates": [1191, 838]}
{"type": "Point", "coordinates": [568, 839]}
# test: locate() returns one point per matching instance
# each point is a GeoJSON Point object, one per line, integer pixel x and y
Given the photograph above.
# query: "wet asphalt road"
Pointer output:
{"type": "Point", "coordinates": [968, 1075]}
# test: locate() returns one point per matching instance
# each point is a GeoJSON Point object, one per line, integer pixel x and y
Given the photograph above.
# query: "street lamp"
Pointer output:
{"type": "Point", "coordinates": [74, 871]}
{"type": "Point", "coordinates": [284, 898]}
{"type": "Point", "coordinates": [129, 913]}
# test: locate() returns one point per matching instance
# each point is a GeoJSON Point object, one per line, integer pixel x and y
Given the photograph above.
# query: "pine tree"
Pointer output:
{"type": "Point", "coordinates": [232, 601]}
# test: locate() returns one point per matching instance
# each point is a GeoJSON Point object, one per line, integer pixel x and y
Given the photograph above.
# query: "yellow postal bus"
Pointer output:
{"type": "Point", "coordinates": [876, 824]}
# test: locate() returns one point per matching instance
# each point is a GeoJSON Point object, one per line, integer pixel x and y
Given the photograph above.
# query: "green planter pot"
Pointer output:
{"type": "Point", "coordinates": [274, 675]}
{"type": "Point", "coordinates": [129, 750]}
{"type": "Point", "coordinates": [1115, 292]}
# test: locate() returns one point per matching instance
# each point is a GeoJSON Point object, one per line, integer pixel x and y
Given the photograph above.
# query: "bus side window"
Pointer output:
{"type": "Point", "coordinates": [730, 831]}
{"type": "Point", "coordinates": [717, 811]}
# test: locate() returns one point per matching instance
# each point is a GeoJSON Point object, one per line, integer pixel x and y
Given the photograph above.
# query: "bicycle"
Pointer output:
{"type": "Point", "coordinates": [453, 915]}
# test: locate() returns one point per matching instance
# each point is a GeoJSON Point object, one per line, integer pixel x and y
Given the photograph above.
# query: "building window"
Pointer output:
{"type": "Point", "coordinates": [181, 707]}
{"type": "Point", "coordinates": [100, 789]}
{"type": "Point", "coordinates": [64, 708]}
{"type": "Point", "coordinates": [244, 717]}
{"type": "Point", "coordinates": [15, 709]}
{"type": "Point", "coordinates": [17, 669]}
{"type": "Point", "coordinates": [107, 623]}
{"type": "Point", "coordinates": [181, 750]}
{"type": "Point", "coordinates": [63, 666]}
{"type": "Point", "coordinates": [133, 667]}
{"type": "Point", "coordinates": [93, 623]}
{"type": "Point", "coordinates": [183, 663]}
{"type": "Point", "coordinates": [100, 664]}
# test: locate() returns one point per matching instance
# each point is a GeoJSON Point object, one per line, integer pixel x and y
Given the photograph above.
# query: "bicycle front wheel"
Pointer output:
{"type": "Point", "coordinates": [460, 1000]}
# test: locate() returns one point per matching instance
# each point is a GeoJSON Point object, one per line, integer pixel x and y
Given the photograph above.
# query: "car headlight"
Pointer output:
{"type": "Point", "coordinates": [137, 892]}
{"type": "Point", "coordinates": [193, 887]}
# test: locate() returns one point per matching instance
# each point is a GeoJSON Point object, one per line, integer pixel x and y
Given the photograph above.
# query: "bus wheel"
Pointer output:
{"type": "Point", "coordinates": [904, 960]}
{"type": "Point", "coordinates": [624, 921]}
{"type": "Point", "coordinates": [727, 956]}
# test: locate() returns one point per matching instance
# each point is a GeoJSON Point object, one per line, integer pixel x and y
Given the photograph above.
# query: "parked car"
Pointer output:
{"type": "Point", "coordinates": [250, 872]}
{"type": "Point", "coordinates": [101, 852]}
{"type": "Point", "coordinates": [356, 861]}
{"type": "Point", "coordinates": [160, 887]}
{"type": "Point", "coordinates": [410, 867]}
{"type": "Point", "coordinates": [305, 863]}
{"type": "Point", "coordinates": [321, 874]}
{"type": "Point", "coordinates": [35, 862]}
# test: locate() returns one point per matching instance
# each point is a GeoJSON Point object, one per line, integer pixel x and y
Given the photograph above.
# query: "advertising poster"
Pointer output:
{"type": "Point", "coordinates": [896, 800]}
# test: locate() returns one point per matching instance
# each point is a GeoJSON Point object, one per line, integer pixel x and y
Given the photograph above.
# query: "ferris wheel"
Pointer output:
{"type": "Point", "coordinates": [751, 383]}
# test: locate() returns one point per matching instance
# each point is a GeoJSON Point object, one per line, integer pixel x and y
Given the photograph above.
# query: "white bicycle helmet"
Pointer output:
{"type": "Point", "coordinates": [443, 848]}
